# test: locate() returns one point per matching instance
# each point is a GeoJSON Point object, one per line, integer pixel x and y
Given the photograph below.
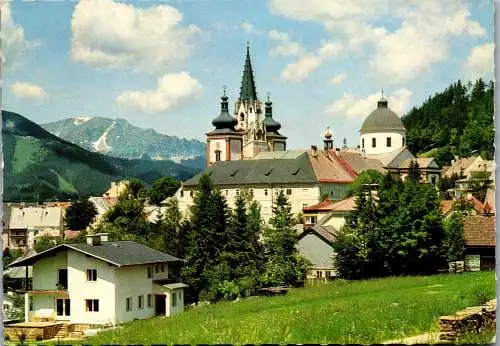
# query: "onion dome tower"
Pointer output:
{"type": "Point", "coordinates": [382, 131]}
{"type": "Point", "coordinates": [275, 141]}
{"type": "Point", "coordinates": [328, 139]}
{"type": "Point", "coordinates": [224, 143]}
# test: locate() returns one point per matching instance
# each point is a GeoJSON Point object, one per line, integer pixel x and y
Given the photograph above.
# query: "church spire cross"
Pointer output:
{"type": "Point", "coordinates": [382, 93]}
{"type": "Point", "coordinates": [224, 88]}
{"type": "Point", "coordinates": [268, 96]}
{"type": "Point", "coordinates": [248, 91]}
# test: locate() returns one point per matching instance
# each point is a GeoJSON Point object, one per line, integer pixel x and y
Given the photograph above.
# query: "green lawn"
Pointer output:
{"type": "Point", "coordinates": [365, 312]}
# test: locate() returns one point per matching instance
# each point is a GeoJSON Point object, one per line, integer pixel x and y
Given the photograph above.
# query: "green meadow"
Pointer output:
{"type": "Point", "coordinates": [369, 311]}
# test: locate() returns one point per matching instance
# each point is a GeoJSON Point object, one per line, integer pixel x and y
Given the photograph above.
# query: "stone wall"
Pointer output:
{"type": "Point", "coordinates": [32, 332]}
{"type": "Point", "coordinates": [471, 319]}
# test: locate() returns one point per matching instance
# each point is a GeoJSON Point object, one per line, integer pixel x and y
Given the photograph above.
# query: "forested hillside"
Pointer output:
{"type": "Point", "coordinates": [457, 121]}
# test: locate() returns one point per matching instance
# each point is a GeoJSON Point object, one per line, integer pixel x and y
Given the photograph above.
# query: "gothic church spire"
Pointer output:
{"type": "Point", "coordinates": [247, 91]}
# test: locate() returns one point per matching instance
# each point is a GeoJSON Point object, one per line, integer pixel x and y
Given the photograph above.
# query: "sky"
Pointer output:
{"type": "Point", "coordinates": [163, 64]}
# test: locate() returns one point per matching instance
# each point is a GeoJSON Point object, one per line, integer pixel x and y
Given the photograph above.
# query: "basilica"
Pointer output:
{"type": "Point", "coordinates": [245, 150]}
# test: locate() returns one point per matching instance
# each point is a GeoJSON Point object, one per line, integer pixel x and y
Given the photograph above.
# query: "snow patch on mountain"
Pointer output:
{"type": "Point", "coordinates": [179, 159]}
{"type": "Point", "coordinates": [101, 145]}
{"type": "Point", "coordinates": [81, 120]}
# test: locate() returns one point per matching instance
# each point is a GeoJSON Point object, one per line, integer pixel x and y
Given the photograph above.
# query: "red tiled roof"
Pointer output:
{"type": "Point", "coordinates": [71, 234]}
{"type": "Point", "coordinates": [446, 206]}
{"type": "Point", "coordinates": [328, 169]}
{"type": "Point", "coordinates": [321, 206]}
{"type": "Point", "coordinates": [344, 205]}
{"type": "Point", "coordinates": [479, 230]}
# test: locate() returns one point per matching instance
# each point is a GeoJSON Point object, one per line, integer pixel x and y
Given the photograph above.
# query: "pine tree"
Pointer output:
{"type": "Point", "coordinates": [284, 265]}
{"type": "Point", "coordinates": [204, 270]}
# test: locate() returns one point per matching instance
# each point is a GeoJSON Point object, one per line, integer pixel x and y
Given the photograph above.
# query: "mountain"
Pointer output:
{"type": "Point", "coordinates": [118, 138]}
{"type": "Point", "coordinates": [41, 166]}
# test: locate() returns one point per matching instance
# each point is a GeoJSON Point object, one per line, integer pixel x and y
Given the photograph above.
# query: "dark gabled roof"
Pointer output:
{"type": "Point", "coordinates": [263, 171]}
{"type": "Point", "coordinates": [119, 253]}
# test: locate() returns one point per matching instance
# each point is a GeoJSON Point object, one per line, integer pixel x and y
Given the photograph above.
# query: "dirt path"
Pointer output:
{"type": "Point", "coordinates": [427, 338]}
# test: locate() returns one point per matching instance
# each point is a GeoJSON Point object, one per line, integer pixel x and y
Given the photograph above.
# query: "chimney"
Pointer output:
{"type": "Point", "coordinates": [314, 150]}
{"type": "Point", "coordinates": [97, 239]}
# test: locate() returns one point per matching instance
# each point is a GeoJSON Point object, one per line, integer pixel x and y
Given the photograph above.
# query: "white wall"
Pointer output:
{"type": "Point", "coordinates": [131, 282]}
{"type": "Point", "coordinates": [235, 149]}
{"type": "Point", "coordinates": [80, 289]}
{"type": "Point", "coordinates": [302, 195]}
{"type": "Point", "coordinates": [179, 306]}
{"type": "Point", "coordinates": [45, 271]}
{"type": "Point", "coordinates": [381, 142]}
{"type": "Point", "coordinates": [213, 146]}
{"type": "Point", "coordinates": [336, 221]}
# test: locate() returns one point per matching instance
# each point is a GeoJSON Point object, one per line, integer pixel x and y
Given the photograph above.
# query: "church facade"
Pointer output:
{"type": "Point", "coordinates": [250, 130]}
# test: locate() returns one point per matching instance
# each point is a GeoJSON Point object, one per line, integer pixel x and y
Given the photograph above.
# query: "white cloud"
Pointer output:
{"type": "Point", "coordinates": [421, 40]}
{"type": "Point", "coordinates": [108, 34]}
{"type": "Point", "coordinates": [337, 79]}
{"type": "Point", "coordinates": [14, 44]}
{"type": "Point", "coordinates": [298, 71]}
{"type": "Point", "coordinates": [480, 61]}
{"type": "Point", "coordinates": [329, 49]}
{"type": "Point", "coordinates": [23, 90]}
{"type": "Point", "coordinates": [171, 90]}
{"type": "Point", "coordinates": [285, 46]}
{"type": "Point", "coordinates": [351, 107]}
{"type": "Point", "coordinates": [249, 28]}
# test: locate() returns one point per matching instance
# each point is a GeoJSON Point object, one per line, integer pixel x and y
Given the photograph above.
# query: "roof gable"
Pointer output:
{"type": "Point", "coordinates": [119, 253]}
{"type": "Point", "coordinates": [264, 171]}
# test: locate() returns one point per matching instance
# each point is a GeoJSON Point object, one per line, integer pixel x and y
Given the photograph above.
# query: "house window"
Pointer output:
{"type": "Point", "coordinates": [403, 141]}
{"type": "Point", "coordinates": [92, 305]}
{"type": "Point", "coordinates": [91, 274]}
{"type": "Point", "coordinates": [328, 274]}
{"type": "Point", "coordinates": [162, 267]}
{"type": "Point", "coordinates": [217, 155]}
{"type": "Point", "coordinates": [374, 142]}
{"type": "Point", "coordinates": [237, 192]}
{"type": "Point", "coordinates": [140, 302]}
{"type": "Point", "coordinates": [129, 304]}
{"type": "Point", "coordinates": [319, 274]}
{"type": "Point", "coordinates": [362, 142]}
{"type": "Point", "coordinates": [227, 192]}
{"type": "Point", "coordinates": [150, 272]}
{"type": "Point", "coordinates": [190, 193]}
{"type": "Point", "coordinates": [182, 193]}
{"type": "Point", "coordinates": [150, 300]}
{"type": "Point", "coordinates": [388, 141]}
{"type": "Point", "coordinates": [288, 191]}
{"type": "Point", "coordinates": [265, 192]}
{"type": "Point", "coordinates": [174, 298]}
{"type": "Point", "coordinates": [433, 180]}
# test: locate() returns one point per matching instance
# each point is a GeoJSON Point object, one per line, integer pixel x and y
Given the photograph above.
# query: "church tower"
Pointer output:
{"type": "Point", "coordinates": [249, 132]}
{"type": "Point", "coordinates": [224, 143]}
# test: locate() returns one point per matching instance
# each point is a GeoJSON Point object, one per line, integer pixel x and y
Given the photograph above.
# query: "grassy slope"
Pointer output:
{"type": "Point", "coordinates": [38, 163]}
{"type": "Point", "coordinates": [364, 312]}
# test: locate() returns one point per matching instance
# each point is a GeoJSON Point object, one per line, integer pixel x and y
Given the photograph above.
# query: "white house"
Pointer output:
{"type": "Point", "coordinates": [102, 282]}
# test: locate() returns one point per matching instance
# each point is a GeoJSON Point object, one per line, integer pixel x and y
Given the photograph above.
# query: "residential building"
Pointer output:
{"type": "Point", "coordinates": [102, 282]}
{"type": "Point", "coordinates": [315, 244]}
{"type": "Point", "coordinates": [27, 223]}
{"type": "Point", "coordinates": [248, 132]}
{"type": "Point", "coordinates": [103, 204]}
{"type": "Point", "coordinates": [480, 239]}
{"type": "Point", "coordinates": [116, 189]}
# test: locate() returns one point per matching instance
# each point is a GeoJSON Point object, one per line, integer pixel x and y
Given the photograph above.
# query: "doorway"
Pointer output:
{"type": "Point", "coordinates": [160, 304]}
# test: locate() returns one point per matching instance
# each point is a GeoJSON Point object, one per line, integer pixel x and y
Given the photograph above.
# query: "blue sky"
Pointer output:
{"type": "Point", "coordinates": [162, 65]}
